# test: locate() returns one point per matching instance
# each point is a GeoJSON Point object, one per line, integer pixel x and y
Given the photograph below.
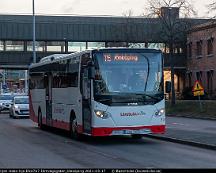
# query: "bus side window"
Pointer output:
{"type": "Point", "coordinates": [56, 81]}
{"type": "Point", "coordinates": [72, 79]}
{"type": "Point", "coordinates": [72, 74]}
{"type": "Point", "coordinates": [31, 84]}
{"type": "Point", "coordinates": [85, 59]}
{"type": "Point", "coordinates": [36, 81]}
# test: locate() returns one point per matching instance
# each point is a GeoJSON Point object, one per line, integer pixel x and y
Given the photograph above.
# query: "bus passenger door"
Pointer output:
{"type": "Point", "coordinates": [86, 103]}
{"type": "Point", "coordinates": [48, 87]}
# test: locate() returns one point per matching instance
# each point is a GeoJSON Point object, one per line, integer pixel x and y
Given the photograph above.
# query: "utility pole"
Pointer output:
{"type": "Point", "coordinates": [26, 81]}
{"type": "Point", "coordinates": [33, 25]}
{"type": "Point", "coordinates": [4, 77]}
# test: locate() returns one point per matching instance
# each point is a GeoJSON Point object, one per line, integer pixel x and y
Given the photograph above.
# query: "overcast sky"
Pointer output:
{"type": "Point", "coordinates": [86, 7]}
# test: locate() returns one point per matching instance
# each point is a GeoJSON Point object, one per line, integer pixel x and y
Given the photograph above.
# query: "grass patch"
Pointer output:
{"type": "Point", "coordinates": [192, 107]}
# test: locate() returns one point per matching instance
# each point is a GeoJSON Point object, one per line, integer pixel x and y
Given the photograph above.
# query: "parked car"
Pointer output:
{"type": "Point", "coordinates": [20, 107]}
{"type": "Point", "coordinates": [5, 101]}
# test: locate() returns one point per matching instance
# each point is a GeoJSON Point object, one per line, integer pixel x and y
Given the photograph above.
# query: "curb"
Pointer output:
{"type": "Point", "coordinates": [180, 141]}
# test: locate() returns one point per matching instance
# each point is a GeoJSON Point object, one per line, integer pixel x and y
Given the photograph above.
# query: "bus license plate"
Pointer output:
{"type": "Point", "coordinates": [122, 132]}
{"type": "Point", "coordinates": [143, 131]}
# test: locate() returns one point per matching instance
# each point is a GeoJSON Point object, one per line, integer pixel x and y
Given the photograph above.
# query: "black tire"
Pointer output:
{"type": "Point", "coordinates": [137, 136]}
{"type": "Point", "coordinates": [73, 129]}
{"type": "Point", "coordinates": [40, 123]}
{"type": "Point", "coordinates": [11, 114]}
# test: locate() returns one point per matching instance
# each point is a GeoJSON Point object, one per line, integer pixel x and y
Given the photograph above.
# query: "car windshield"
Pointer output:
{"type": "Point", "coordinates": [21, 100]}
{"type": "Point", "coordinates": [131, 73]}
{"type": "Point", "coordinates": [6, 97]}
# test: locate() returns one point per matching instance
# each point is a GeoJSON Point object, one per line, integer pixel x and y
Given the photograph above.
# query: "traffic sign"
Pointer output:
{"type": "Point", "coordinates": [198, 89]}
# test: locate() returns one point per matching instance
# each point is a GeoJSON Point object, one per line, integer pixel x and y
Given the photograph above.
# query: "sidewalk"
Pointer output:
{"type": "Point", "coordinates": [195, 116]}
{"type": "Point", "coordinates": [190, 131]}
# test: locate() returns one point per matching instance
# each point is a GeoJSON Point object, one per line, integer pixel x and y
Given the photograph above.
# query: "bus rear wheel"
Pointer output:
{"type": "Point", "coordinates": [73, 129]}
{"type": "Point", "coordinates": [40, 123]}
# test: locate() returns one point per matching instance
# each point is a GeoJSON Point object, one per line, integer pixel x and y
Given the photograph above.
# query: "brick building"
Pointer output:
{"type": "Point", "coordinates": [201, 59]}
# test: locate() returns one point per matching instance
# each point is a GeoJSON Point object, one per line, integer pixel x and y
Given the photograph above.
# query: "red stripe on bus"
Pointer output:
{"type": "Point", "coordinates": [107, 131]}
{"type": "Point", "coordinates": [65, 125]}
{"type": "Point", "coordinates": [43, 120]}
{"type": "Point", "coordinates": [61, 124]}
{"type": "Point", "coordinates": [33, 117]}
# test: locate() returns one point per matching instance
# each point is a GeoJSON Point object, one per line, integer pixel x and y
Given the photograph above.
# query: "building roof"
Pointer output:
{"type": "Point", "coordinates": [203, 26]}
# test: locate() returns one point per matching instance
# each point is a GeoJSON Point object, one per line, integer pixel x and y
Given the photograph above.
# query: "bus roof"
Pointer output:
{"type": "Point", "coordinates": [57, 57]}
{"type": "Point", "coordinates": [146, 50]}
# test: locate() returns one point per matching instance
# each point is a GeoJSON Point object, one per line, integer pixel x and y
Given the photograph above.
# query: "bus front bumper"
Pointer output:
{"type": "Point", "coordinates": [109, 131]}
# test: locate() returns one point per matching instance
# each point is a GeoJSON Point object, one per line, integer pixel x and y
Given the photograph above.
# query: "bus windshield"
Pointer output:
{"type": "Point", "coordinates": [128, 73]}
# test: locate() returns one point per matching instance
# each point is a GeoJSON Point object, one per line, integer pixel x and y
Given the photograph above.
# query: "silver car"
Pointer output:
{"type": "Point", "coordinates": [5, 101]}
{"type": "Point", "coordinates": [20, 107]}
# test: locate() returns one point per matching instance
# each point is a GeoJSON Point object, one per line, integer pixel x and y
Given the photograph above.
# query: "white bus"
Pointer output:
{"type": "Point", "coordinates": [101, 92]}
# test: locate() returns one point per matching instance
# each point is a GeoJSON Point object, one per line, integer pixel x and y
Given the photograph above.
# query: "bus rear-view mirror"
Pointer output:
{"type": "Point", "coordinates": [91, 72]}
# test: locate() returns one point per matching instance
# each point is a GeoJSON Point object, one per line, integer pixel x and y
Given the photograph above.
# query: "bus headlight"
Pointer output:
{"type": "Point", "coordinates": [160, 112]}
{"type": "Point", "coordinates": [102, 114]}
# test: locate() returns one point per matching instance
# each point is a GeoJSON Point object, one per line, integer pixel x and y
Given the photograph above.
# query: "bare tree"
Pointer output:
{"type": "Point", "coordinates": [172, 27]}
{"type": "Point", "coordinates": [128, 13]}
{"type": "Point", "coordinates": [127, 26]}
{"type": "Point", "coordinates": [212, 9]}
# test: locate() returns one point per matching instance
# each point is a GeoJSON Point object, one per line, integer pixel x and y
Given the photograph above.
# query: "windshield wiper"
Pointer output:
{"type": "Point", "coordinates": [153, 97]}
{"type": "Point", "coordinates": [104, 99]}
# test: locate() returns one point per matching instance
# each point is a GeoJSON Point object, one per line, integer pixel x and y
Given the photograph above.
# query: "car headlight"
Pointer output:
{"type": "Point", "coordinates": [160, 112]}
{"type": "Point", "coordinates": [102, 114]}
{"type": "Point", "coordinates": [16, 107]}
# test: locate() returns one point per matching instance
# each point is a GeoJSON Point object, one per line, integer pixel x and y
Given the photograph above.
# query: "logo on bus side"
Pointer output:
{"type": "Point", "coordinates": [132, 113]}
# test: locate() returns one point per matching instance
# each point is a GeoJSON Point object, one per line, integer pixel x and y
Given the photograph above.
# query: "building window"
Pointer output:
{"type": "Point", "coordinates": [55, 46]}
{"type": "Point", "coordinates": [160, 46]}
{"type": "Point", "coordinates": [199, 76]}
{"type": "Point", "coordinates": [199, 48]}
{"type": "Point", "coordinates": [116, 44]}
{"type": "Point", "coordinates": [1, 45]}
{"type": "Point", "coordinates": [95, 45]}
{"type": "Point", "coordinates": [210, 46]}
{"type": "Point", "coordinates": [210, 81]}
{"type": "Point", "coordinates": [178, 48]}
{"type": "Point", "coordinates": [190, 79]}
{"type": "Point", "coordinates": [76, 46]}
{"type": "Point", "coordinates": [190, 50]}
{"type": "Point", "coordinates": [137, 45]}
{"type": "Point", "coordinates": [39, 46]}
{"type": "Point", "coordinates": [14, 45]}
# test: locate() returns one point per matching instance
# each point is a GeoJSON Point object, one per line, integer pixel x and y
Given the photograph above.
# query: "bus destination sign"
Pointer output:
{"type": "Point", "coordinates": [120, 58]}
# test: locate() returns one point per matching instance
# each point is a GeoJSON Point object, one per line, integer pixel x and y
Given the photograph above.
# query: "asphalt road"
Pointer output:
{"type": "Point", "coordinates": [23, 145]}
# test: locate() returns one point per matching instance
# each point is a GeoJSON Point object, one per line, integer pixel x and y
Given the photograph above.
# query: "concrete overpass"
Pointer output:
{"type": "Point", "coordinates": [16, 35]}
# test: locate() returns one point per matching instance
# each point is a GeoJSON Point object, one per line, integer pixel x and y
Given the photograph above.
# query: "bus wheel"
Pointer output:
{"type": "Point", "coordinates": [136, 136]}
{"type": "Point", "coordinates": [40, 124]}
{"type": "Point", "coordinates": [73, 129]}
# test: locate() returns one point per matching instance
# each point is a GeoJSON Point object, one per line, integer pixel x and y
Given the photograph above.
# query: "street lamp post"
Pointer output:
{"type": "Point", "coordinates": [33, 25]}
